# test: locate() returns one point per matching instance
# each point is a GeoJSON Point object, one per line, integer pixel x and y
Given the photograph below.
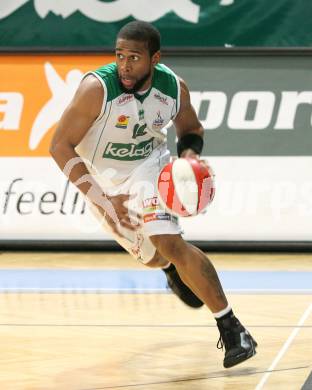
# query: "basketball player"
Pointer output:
{"type": "Point", "coordinates": [111, 143]}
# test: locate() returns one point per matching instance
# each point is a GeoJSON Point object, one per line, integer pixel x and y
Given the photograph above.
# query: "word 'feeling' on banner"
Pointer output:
{"type": "Point", "coordinates": [23, 197]}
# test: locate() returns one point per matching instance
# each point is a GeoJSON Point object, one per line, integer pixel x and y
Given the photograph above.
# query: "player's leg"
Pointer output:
{"type": "Point", "coordinates": [196, 270]}
{"type": "Point", "coordinates": [156, 220]}
{"type": "Point", "coordinates": [140, 247]}
{"type": "Point", "coordinates": [175, 283]}
{"type": "Point", "coordinates": [194, 267]}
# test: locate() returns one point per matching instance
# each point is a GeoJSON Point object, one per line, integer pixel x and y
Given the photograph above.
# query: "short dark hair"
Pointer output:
{"type": "Point", "coordinates": [143, 32]}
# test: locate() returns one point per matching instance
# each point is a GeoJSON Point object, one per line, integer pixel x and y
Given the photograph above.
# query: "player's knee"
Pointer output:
{"type": "Point", "coordinates": [170, 246]}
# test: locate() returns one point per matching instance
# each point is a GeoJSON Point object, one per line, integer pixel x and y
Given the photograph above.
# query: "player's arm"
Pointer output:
{"type": "Point", "coordinates": [73, 126]}
{"type": "Point", "coordinates": [188, 127]}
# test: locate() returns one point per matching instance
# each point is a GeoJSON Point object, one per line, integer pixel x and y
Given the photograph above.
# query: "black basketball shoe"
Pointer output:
{"type": "Point", "coordinates": [238, 343]}
{"type": "Point", "coordinates": [180, 289]}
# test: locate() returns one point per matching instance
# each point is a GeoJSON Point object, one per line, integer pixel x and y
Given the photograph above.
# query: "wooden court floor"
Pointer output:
{"type": "Point", "coordinates": [94, 341]}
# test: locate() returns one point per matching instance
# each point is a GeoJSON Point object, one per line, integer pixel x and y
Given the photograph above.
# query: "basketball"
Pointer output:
{"type": "Point", "coordinates": [186, 187]}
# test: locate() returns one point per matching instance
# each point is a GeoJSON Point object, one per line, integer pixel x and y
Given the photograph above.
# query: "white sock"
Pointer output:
{"type": "Point", "coordinates": [222, 312]}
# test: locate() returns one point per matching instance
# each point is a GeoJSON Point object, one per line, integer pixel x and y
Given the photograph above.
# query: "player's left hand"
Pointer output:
{"type": "Point", "coordinates": [189, 153]}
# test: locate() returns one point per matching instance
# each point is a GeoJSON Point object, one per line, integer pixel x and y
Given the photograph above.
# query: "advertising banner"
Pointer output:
{"type": "Point", "coordinates": [249, 105]}
{"type": "Point", "coordinates": [34, 91]}
{"type": "Point", "coordinates": [257, 119]}
{"type": "Point", "coordinates": [73, 24]}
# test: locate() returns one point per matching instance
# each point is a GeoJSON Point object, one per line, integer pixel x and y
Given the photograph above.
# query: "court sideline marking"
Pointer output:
{"type": "Point", "coordinates": [285, 347]}
{"type": "Point", "coordinates": [108, 281]}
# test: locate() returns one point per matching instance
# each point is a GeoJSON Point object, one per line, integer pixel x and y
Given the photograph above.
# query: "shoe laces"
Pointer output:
{"type": "Point", "coordinates": [226, 339]}
{"type": "Point", "coordinates": [220, 343]}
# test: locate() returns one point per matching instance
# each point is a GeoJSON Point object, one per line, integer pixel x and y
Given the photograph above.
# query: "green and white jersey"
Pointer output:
{"type": "Point", "coordinates": [130, 126]}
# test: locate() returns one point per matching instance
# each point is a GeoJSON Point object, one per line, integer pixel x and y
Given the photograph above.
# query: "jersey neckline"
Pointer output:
{"type": "Point", "coordinates": [142, 97]}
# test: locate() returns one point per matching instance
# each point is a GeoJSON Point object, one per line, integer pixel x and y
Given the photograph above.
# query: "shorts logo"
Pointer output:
{"type": "Point", "coordinates": [150, 202]}
{"type": "Point", "coordinates": [128, 152]}
{"type": "Point", "coordinates": [122, 122]}
{"type": "Point", "coordinates": [150, 205]}
{"type": "Point", "coordinates": [159, 216]}
{"type": "Point", "coordinates": [124, 99]}
{"type": "Point", "coordinates": [153, 211]}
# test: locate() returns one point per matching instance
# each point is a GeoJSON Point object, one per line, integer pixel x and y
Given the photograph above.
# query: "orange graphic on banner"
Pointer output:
{"type": "Point", "coordinates": [34, 91]}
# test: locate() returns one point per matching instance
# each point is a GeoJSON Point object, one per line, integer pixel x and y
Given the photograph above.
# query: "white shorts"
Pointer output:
{"type": "Point", "coordinates": [143, 184]}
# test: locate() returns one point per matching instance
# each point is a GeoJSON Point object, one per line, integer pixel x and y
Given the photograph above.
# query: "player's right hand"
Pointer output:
{"type": "Point", "coordinates": [117, 213]}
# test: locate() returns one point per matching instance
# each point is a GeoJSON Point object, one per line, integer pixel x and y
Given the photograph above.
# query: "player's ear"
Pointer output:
{"type": "Point", "coordinates": [156, 58]}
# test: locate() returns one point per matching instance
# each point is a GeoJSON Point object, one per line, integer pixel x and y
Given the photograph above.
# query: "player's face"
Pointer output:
{"type": "Point", "coordinates": [135, 65]}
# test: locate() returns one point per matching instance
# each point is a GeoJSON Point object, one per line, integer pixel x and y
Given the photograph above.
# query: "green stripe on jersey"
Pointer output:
{"type": "Point", "coordinates": [110, 76]}
{"type": "Point", "coordinates": [165, 81]}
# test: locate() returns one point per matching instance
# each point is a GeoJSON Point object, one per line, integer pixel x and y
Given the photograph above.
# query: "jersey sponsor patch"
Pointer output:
{"type": "Point", "coordinates": [161, 98]}
{"type": "Point", "coordinates": [141, 114]}
{"type": "Point", "coordinates": [122, 122]}
{"type": "Point", "coordinates": [158, 122]}
{"type": "Point", "coordinates": [139, 131]}
{"type": "Point", "coordinates": [124, 99]}
{"type": "Point", "coordinates": [128, 152]}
